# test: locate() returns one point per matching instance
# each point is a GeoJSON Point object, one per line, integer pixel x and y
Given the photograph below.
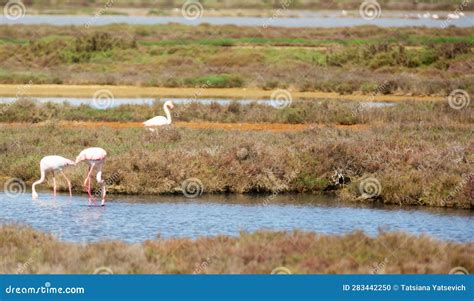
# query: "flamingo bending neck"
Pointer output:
{"type": "Point", "coordinates": [167, 112]}
{"type": "Point", "coordinates": [34, 194]}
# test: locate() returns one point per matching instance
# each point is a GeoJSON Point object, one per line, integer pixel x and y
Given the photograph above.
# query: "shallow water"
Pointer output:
{"type": "Point", "coordinates": [116, 102]}
{"type": "Point", "coordinates": [135, 219]}
{"type": "Point", "coordinates": [327, 20]}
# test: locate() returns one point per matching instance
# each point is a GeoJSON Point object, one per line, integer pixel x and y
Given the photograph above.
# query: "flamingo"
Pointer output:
{"type": "Point", "coordinates": [95, 157]}
{"type": "Point", "coordinates": [453, 16]}
{"type": "Point", "coordinates": [161, 120]}
{"type": "Point", "coordinates": [53, 164]}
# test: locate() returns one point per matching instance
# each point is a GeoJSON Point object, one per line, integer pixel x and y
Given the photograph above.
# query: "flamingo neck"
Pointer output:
{"type": "Point", "coordinates": [167, 112]}
{"type": "Point", "coordinates": [33, 189]}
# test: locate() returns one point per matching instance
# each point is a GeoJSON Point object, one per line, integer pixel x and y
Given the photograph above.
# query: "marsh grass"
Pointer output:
{"type": "Point", "coordinates": [307, 112]}
{"type": "Point", "coordinates": [25, 251]}
{"type": "Point", "coordinates": [421, 153]}
{"type": "Point", "coordinates": [415, 61]}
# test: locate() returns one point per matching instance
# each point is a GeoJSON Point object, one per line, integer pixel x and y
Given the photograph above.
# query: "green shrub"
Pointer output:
{"type": "Point", "coordinates": [215, 81]}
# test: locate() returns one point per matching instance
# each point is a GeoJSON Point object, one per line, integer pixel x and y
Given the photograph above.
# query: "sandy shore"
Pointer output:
{"type": "Point", "coordinates": [236, 93]}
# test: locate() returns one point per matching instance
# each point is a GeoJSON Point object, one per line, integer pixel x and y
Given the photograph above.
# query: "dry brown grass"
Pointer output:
{"type": "Point", "coordinates": [421, 153]}
{"type": "Point", "coordinates": [23, 250]}
{"type": "Point", "coordinates": [415, 164]}
{"type": "Point", "coordinates": [272, 127]}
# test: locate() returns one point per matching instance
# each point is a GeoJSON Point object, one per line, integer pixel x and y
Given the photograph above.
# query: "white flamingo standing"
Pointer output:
{"type": "Point", "coordinates": [53, 164]}
{"type": "Point", "coordinates": [160, 120]}
{"type": "Point", "coordinates": [453, 16]}
{"type": "Point", "coordinates": [95, 157]}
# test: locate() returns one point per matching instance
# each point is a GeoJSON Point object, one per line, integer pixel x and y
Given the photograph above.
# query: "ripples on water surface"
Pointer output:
{"type": "Point", "coordinates": [135, 219]}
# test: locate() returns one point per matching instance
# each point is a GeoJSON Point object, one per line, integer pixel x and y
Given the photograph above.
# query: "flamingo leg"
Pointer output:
{"type": "Point", "coordinates": [89, 191]}
{"type": "Point", "coordinates": [87, 177]}
{"type": "Point", "coordinates": [54, 185]}
{"type": "Point", "coordinates": [68, 183]}
{"type": "Point", "coordinates": [88, 181]}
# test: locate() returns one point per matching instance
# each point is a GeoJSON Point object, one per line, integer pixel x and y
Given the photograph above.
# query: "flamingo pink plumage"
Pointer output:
{"type": "Point", "coordinates": [95, 157]}
{"type": "Point", "coordinates": [53, 164]}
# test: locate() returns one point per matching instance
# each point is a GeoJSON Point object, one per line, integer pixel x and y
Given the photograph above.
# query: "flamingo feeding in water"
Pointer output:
{"type": "Point", "coordinates": [161, 120]}
{"type": "Point", "coordinates": [95, 157]}
{"type": "Point", "coordinates": [54, 164]}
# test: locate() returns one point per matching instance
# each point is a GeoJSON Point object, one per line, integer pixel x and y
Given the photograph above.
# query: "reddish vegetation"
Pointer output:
{"type": "Point", "coordinates": [23, 250]}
